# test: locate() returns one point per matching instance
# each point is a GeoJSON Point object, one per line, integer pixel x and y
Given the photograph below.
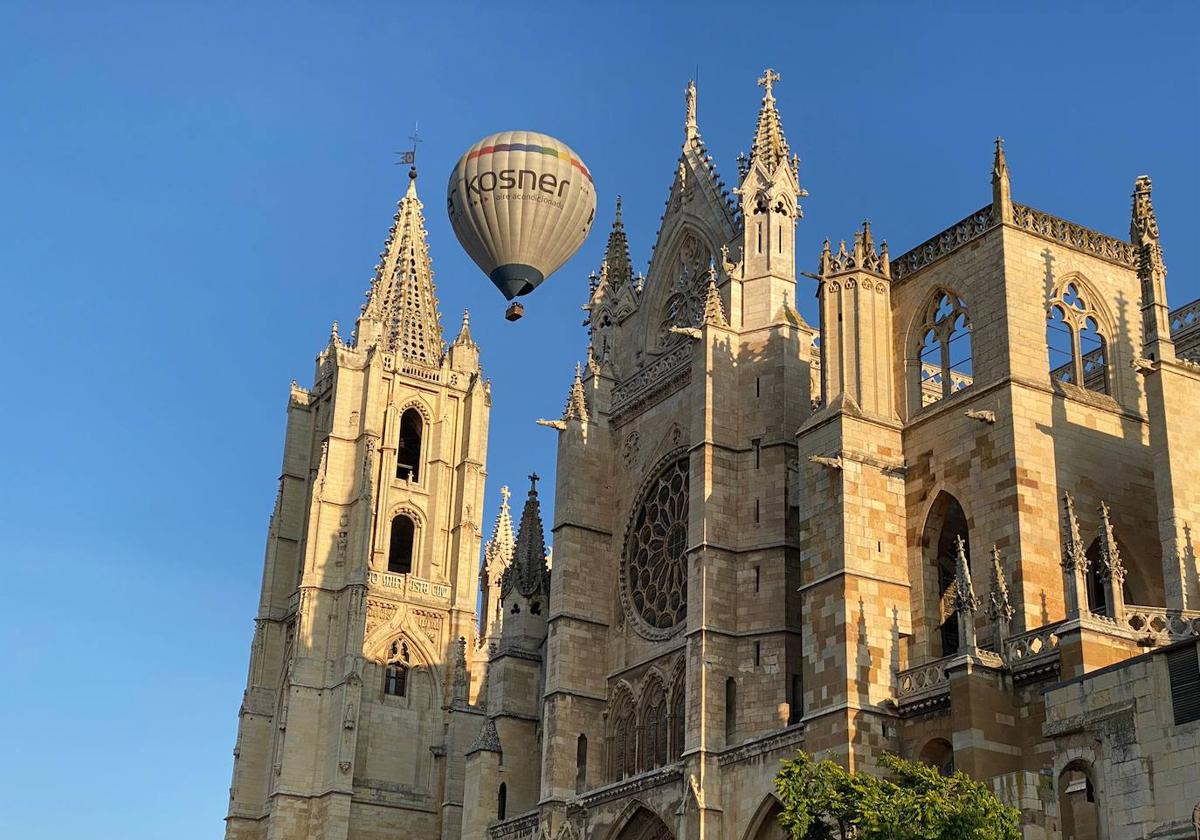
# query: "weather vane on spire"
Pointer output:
{"type": "Point", "coordinates": [408, 157]}
{"type": "Point", "coordinates": [769, 77]}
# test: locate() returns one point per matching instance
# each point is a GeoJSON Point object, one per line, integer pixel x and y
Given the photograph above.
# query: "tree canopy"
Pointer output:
{"type": "Point", "coordinates": [823, 801]}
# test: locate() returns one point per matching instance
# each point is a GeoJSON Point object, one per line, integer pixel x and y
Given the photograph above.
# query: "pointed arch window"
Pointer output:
{"type": "Point", "coordinates": [581, 748]}
{"type": "Point", "coordinates": [395, 675]}
{"type": "Point", "coordinates": [624, 740]}
{"type": "Point", "coordinates": [1076, 347]}
{"type": "Point", "coordinates": [400, 547]}
{"type": "Point", "coordinates": [678, 718]}
{"type": "Point", "coordinates": [945, 365]}
{"type": "Point", "coordinates": [408, 446]}
{"type": "Point", "coordinates": [654, 728]}
{"type": "Point", "coordinates": [502, 801]}
{"type": "Point", "coordinates": [946, 522]}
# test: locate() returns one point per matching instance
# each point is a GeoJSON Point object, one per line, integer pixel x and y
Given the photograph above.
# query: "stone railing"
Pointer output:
{"type": "Point", "coordinates": [923, 684]}
{"type": "Point", "coordinates": [1185, 319]}
{"type": "Point", "coordinates": [1033, 653]}
{"type": "Point", "coordinates": [939, 246]}
{"type": "Point", "coordinates": [1074, 236]}
{"type": "Point", "coordinates": [524, 827]}
{"type": "Point", "coordinates": [931, 383]}
{"type": "Point", "coordinates": [666, 367]}
{"type": "Point", "coordinates": [1162, 625]}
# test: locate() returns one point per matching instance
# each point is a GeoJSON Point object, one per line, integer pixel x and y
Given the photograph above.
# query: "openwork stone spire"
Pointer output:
{"type": "Point", "coordinates": [770, 146]}
{"type": "Point", "coordinates": [1152, 274]}
{"type": "Point", "coordinates": [402, 299]}
{"type": "Point", "coordinates": [528, 572]}
{"type": "Point", "coordinates": [616, 254]}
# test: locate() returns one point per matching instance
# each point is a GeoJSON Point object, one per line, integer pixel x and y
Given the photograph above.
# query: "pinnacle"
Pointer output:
{"type": "Point", "coordinates": [770, 146]}
{"type": "Point", "coordinates": [529, 560]}
{"type": "Point", "coordinates": [503, 543]}
{"type": "Point", "coordinates": [616, 253]}
{"type": "Point", "coordinates": [576, 407]}
{"type": "Point", "coordinates": [714, 310]}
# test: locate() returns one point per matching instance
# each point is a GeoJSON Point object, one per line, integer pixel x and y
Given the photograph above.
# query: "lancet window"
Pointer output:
{"type": "Point", "coordinates": [400, 548]}
{"type": "Point", "coordinates": [1075, 345]}
{"type": "Point", "coordinates": [395, 675]}
{"type": "Point", "coordinates": [408, 447]}
{"type": "Point", "coordinates": [654, 727]}
{"type": "Point", "coordinates": [944, 355]}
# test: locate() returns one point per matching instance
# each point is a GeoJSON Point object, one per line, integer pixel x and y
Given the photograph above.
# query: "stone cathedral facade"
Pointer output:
{"type": "Point", "coordinates": [954, 520]}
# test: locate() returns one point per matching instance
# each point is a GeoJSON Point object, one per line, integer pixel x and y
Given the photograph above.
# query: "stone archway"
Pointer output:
{"type": "Point", "coordinates": [642, 824]}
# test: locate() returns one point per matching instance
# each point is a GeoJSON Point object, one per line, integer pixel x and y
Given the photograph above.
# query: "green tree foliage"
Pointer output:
{"type": "Point", "coordinates": [822, 801]}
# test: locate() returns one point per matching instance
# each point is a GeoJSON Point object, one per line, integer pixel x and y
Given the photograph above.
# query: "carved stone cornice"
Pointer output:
{"type": "Point", "coordinates": [782, 739]}
{"type": "Point", "coordinates": [635, 785]}
{"type": "Point", "coordinates": [949, 240]}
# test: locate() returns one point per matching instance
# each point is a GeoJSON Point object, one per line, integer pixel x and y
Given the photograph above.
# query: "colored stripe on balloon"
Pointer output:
{"type": "Point", "coordinates": [529, 147]}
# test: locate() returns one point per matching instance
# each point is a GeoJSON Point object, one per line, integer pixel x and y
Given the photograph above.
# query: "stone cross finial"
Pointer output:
{"type": "Point", "coordinates": [505, 493]}
{"type": "Point", "coordinates": [533, 480]}
{"type": "Point", "coordinates": [769, 77]}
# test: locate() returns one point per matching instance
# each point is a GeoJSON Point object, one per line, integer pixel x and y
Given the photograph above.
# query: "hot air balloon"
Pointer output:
{"type": "Point", "coordinates": [521, 204]}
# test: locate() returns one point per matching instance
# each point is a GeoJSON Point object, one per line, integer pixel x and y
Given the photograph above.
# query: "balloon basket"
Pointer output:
{"type": "Point", "coordinates": [514, 311]}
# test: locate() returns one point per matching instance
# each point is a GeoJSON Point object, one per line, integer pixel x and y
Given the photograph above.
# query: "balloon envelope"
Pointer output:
{"type": "Point", "coordinates": [521, 203]}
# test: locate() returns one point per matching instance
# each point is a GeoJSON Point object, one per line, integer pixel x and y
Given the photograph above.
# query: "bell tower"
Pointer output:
{"type": "Point", "coordinates": [371, 576]}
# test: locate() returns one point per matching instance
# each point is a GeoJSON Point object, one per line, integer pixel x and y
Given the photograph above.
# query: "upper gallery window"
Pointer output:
{"type": "Point", "coordinates": [944, 354]}
{"type": "Point", "coordinates": [408, 447]}
{"type": "Point", "coordinates": [1075, 345]}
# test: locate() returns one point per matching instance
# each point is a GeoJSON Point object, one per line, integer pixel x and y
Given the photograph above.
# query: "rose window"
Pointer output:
{"type": "Point", "coordinates": [655, 569]}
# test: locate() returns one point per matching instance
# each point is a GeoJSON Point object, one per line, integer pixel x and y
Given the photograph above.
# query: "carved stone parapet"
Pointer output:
{"type": "Point", "coordinates": [951, 239]}
{"type": "Point", "coordinates": [783, 739]}
{"type": "Point", "coordinates": [634, 785]}
{"type": "Point", "coordinates": [1076, 237]}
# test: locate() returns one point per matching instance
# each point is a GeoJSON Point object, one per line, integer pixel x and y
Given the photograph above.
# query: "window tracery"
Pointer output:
{"type": "Point", "coordinates": [944, 355]}
{"type": "Point", "coordinates": [654, 567]}
{"type": "Point", "coordinates": [684, 307]}
{"type": "Point", "coordinates": [1076, 346]}
{"type": "Point", "coordinates": [395, 678]}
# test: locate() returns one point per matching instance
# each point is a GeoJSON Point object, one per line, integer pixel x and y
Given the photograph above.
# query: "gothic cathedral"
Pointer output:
{"type": "Point", "coordinates": [954, 521]}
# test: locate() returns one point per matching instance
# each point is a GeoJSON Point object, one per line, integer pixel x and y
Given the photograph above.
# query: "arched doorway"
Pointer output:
{"type": "Point", "coordinates": [1078, 805]}
{"type": "Point", "coordinates": [940, 754]}
{"type": "Point", "coordinates": [642, 824]}
{"type": "Point", "coordinates": [764, 825]}
{"type": "Point", "coordinates": [946, 522]}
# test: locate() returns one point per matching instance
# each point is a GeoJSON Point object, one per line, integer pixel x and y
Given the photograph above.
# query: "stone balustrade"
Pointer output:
{"type": "Point", "coordinates": [1162, 625]}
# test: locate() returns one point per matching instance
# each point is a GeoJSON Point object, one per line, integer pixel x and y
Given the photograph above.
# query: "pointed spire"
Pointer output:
{"type": "Point", "coordinates": [690, 129]}
{"type": "Point", "coordinates": [1074, 554]}
{"type": "Point", "coordinates": [1000, 606]}
{"type": "Point", "coordinates": [1074, 560]}
{"type": "Point", "coordinates": [502, 544]}
{"type": "Point", "coordinates": [1002, 209]}
{"type": "Point", "coordinates": [964, 589]}
{"type": "Point", "coordinates": [335, 338]}
{"type": "Point", "coordinates": [1112, 569]}
{"type": "Point", "coordinates": [402, 299]}
{"type": "Point", "coordinates": [616, 253]}
{"type": "Point", "coordinates": [576, 407]}
{"type": "Point", "coordinates": [1111, 565]}
{"type": "Point", "coordinates": [528, 571]}
{"type": "Point", "coordinates": [714, 310]}
{"type": "Point", "coordinates": [1152, 273]}
{"type": "Point", "coordinates": [464, 332]}
{"type": "Point", "coordinates": [769, 147]}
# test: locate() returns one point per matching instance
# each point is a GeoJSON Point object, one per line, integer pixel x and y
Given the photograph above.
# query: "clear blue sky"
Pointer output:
{"type": "Point", "coordinates": [192, 192]}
